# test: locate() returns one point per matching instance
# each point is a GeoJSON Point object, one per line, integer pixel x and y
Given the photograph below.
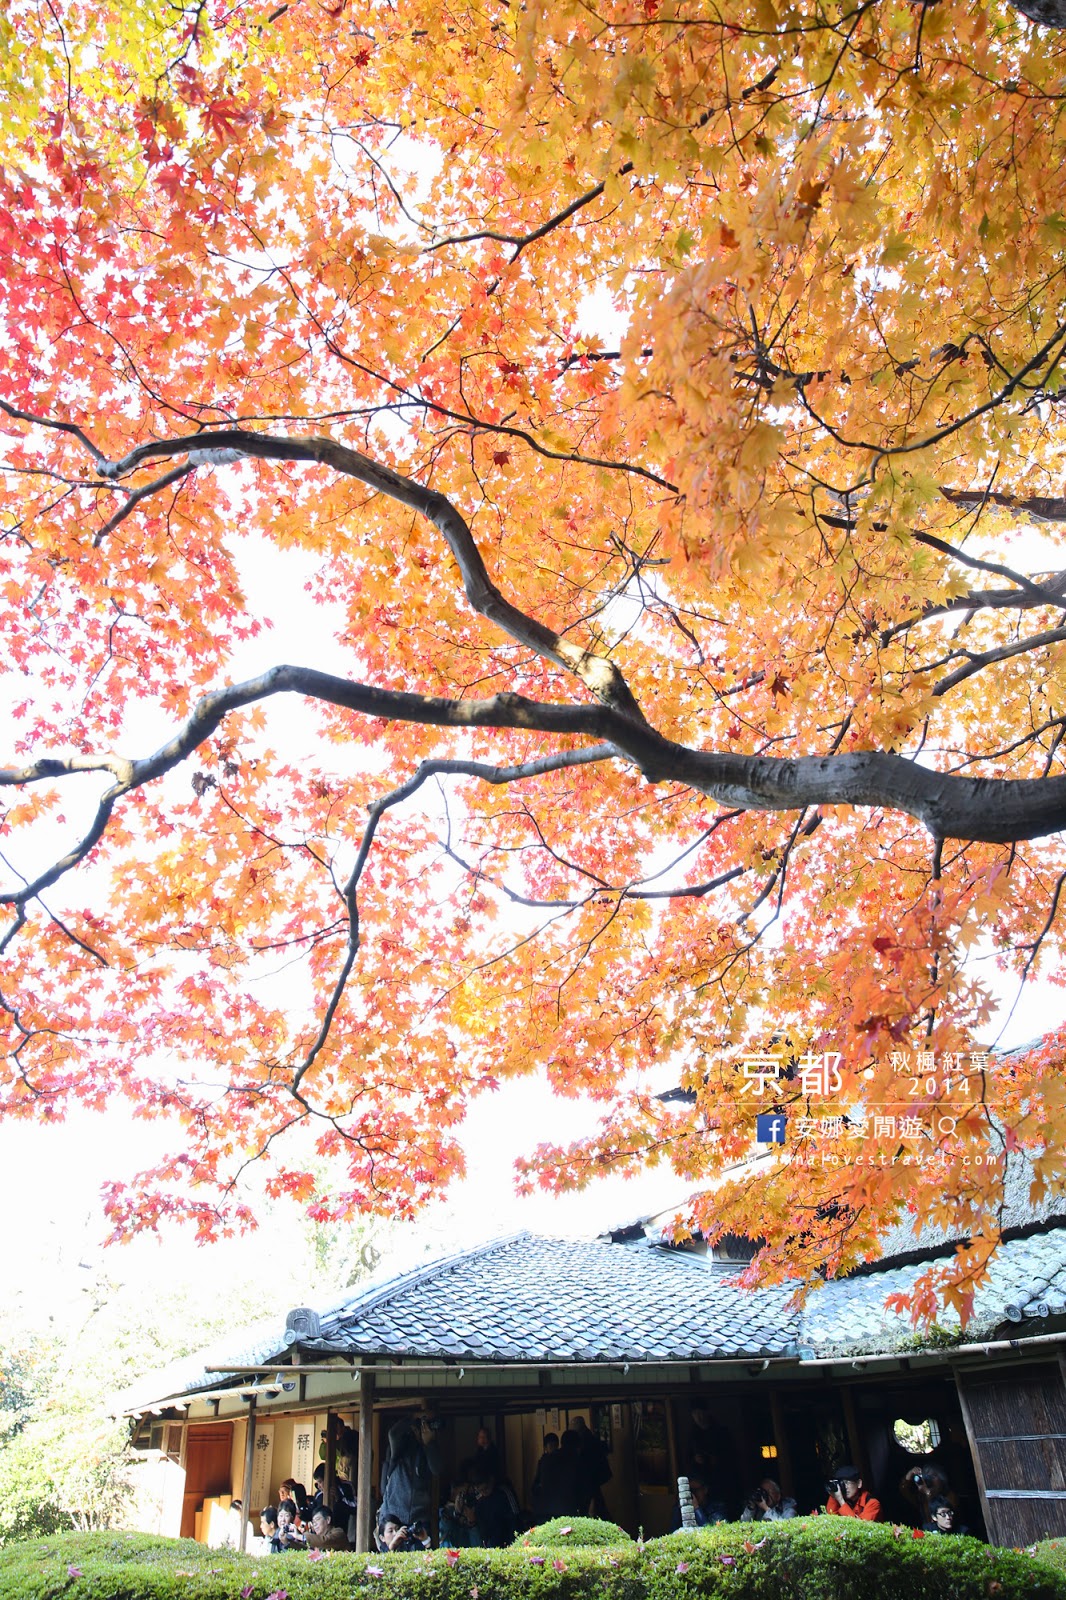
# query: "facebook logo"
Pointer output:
{"type": "Point", "coordinates": [770, 1128]}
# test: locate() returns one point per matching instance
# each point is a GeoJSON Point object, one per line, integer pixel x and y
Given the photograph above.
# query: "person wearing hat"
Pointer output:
{"type": "Point", "coordinates": [848, 1498]}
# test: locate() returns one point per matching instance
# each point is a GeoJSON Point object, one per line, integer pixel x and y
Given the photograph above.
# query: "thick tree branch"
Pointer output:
{"type": "Point", "coordinates": [993, 810]}
{"type": "Point", "coordinates": [1041, 508]}
{"type": "Point", "coordinates": [600, 676]}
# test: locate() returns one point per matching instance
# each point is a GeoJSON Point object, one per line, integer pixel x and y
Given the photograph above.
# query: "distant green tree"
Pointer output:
{"type": "Point", "coordinates": [65, 1460]}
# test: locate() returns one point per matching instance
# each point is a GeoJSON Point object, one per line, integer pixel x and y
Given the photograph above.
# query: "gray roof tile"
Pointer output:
{"type": "Point", "coordinates": [540, 1300]}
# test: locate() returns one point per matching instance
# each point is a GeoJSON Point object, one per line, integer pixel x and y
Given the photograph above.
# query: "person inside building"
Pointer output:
{"type": "Point", "coordinates": [848, 1498]}
{"type": "Point", "coordinates": [412, 1462]}
{"type": "Point", "coordinates": [593, 1468]}
{"type": "Point", "coordinates": [486, 1457]}
{"type": "Point", "coordinates": [268, 1527]}
{"type": "Point", "coordinates": [397, 1538]}
{"type": "Point", "coordinates": [457, 1523]}
{"type": "Point", "coordinates": [494, 1512]}
{"type": "Point", "coordinates": [541, 1487]}
{"type": "Point", "coordinates": [558, 1470]}
{"type": "Point", "coordinates": [943, 1518]}
{"type": "Point", "coordinates": [768, 1504]}
{"type": "Point", "coordinates": [705, 1509]}
{"type": "Point", "coordinates": [289, 1535]}
{"type": "Point", "coordinates": [343, 1495]}
{"type": "Point", "coordinates": [923, 1484]}
{"type": "Point", "coordinates": [293, 1490]}
{"type": "Point", "coordinates": [323, 1535]}
{"type": "Point", "coordinates": [710, 1456]}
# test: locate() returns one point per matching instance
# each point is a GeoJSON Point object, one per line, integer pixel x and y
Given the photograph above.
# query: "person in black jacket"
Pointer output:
{"type": "Point", "coordinates": [412, 1462]}
{"type": "Point", "coordinates": [494, 1513]}
{"type": "Point", "coordinates": [593, 1468]}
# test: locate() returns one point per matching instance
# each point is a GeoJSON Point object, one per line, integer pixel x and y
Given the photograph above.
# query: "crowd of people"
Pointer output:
{"type": "Point", "coordinates": [926, 1488]}
{"type": "Point", "coordinates": [481, 1508]}
{"type": "Point", "coordinates": [302, 1521]}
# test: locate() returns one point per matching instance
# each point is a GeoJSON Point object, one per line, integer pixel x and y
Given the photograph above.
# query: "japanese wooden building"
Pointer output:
{"type": "Point", "coordinates": [523, 1335]}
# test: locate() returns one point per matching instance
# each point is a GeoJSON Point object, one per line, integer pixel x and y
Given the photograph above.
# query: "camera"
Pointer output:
{"type": "Point", "coordinates": [919, 1480]}
{"type": "Point", "coordinates": [833, 1486]}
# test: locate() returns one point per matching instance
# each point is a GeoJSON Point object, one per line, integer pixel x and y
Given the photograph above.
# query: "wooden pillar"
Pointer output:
{"type": "Point", "coordinates": [856, 1443]}
{"type": "Point", "coordinates": [671, 1440]}
{"type": "Point", "coordinates": [249, 1468]}
{"type": "Point", "coordinates": [329, 1482]}
{"type": "Point", "coordinates": [364, 1495]}
{"type": "Point", "coordinates": [784, 1474]}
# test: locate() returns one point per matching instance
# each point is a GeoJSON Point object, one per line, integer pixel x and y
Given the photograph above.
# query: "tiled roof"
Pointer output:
{"type": "Point", "coordinates": [540, 1300]}
{"type": "Point", "coordinates": [1027, 1281]}
{"type": "Point", "coordinates": [537, 1300]}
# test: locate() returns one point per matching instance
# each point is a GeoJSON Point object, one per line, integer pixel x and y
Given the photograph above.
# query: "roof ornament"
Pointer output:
{"type": "Point", "coordinates": [302, 1323]}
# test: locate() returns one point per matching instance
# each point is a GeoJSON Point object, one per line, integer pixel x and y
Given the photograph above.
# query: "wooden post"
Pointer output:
{"type": "Point", "coordinates": [329, 1481]}
{"type": "Point", "coordinates": [249, 1468]}
{"type": "Point", "coordinates": [784, 1474]}
{"type": "Point", "coordinates": [671, 1439]}
{"type": "Point", "coordinates": [856, 1443]}
{"type": "Point", "coordinates": [363, 1491]}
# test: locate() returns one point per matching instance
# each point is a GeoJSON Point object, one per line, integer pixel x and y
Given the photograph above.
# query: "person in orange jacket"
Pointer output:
{"type": "Point", "coordinates": [848, 1498]}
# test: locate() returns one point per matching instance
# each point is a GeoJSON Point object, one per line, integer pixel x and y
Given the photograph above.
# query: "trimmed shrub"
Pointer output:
{"type": "Point", "coordinates": [823, 1558]}
{"type": "Point", "coordinates": [1053, 1551]}
{"type": "Point", "coordinates": [573, 1531]}
{"type": "Point", "coordinates": [840, 1558]}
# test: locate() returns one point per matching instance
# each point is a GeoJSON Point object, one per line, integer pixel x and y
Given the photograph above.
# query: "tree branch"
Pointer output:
{"type": "Point", "coordinates": [600, 676]}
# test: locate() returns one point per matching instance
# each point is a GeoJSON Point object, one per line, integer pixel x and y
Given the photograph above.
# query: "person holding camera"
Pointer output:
{"type": "Point", "coordinates": [920, 1486]}
{"type": "Point", "coordinates": [322, 1534]}
{"type": "Point", "coordinates": [412, 1462]}
{"type": "Point", "coordinates": [848, 1498]}
{"type": "Point", "coordinates": [397, 1537]}
{"type": "Point", "coordinates": [768, 1504]}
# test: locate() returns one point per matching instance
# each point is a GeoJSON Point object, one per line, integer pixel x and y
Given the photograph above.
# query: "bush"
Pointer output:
{"type": "Point", "coordinates": [809, 1559]}
{"type": "Point", "coordinates": [835, 1558]}
{"type": "Point", "coordinates": [574, 1531]}
{"type": "Point", "coordinates": [1053, 1551]}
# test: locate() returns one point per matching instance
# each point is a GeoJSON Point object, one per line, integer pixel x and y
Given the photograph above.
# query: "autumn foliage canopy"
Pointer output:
{"type": "Point", "coordinates": [653, 410]}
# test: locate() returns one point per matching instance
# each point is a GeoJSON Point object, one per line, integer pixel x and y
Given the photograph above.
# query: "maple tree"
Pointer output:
{"type": "Point", "coordinates": [667, 402]}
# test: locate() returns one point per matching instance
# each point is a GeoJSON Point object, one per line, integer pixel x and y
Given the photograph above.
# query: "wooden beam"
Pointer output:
{"type": "Point", "coordinates": [363, 1489]}
{"type": "Point", "coordinates": [249, 1468]}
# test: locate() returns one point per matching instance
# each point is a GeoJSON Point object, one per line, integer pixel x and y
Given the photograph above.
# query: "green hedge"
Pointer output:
{"type": "Point", "coordinates": [566, 1532]}
{"type": "Point", "coordinates": [809, 1559]}
{"type": "Point", "coordinates": [1053, 1551]}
